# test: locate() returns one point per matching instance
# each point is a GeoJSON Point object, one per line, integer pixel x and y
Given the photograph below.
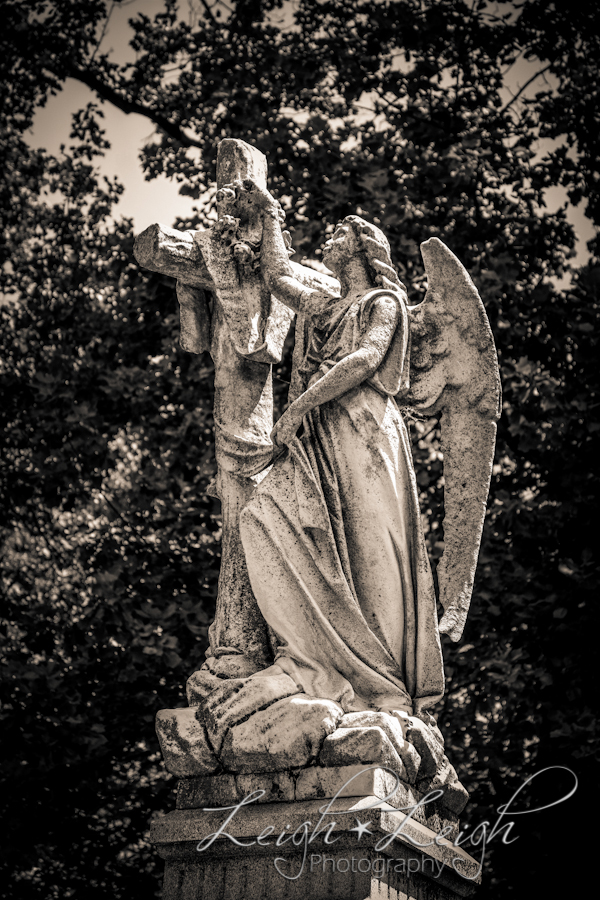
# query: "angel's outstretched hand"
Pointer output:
{"type": "Point", "coordinates": [260, 198]}
{"type": "Point", "coordinates": [248, 194]}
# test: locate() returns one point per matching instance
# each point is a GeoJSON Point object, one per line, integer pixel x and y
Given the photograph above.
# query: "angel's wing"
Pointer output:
{"type": "Point", "coordinates": [454, 370]}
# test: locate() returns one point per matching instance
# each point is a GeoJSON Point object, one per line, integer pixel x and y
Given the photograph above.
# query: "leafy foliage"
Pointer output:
{"type": "Point", "coordinates": [110, 558]}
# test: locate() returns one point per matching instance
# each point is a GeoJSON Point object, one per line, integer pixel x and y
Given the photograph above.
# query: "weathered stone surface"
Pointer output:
{"type": "Point", "coordinates": [251, 875]}
{"type": "Point", "coordinates": [243, 389]}
{"type": "Point", "coordinates": [225, 790]}
{"type": "Point", "coordinates": [278, 786]}
{"type": "Point", "coordinates": [200, 685]}
{"type": "Point", "coordinates": [318, 782]}
{"type": "Point", "coordinates": [184, 743]}
{"type": "Point", "coordinates": [177, 836]}
{"type": "Point", "coordinates": [366, 745]}
{"type": "Point", "coordinates": [393, 728]}
{"type": "Point", "coordinates": [452, 345]}
{"type": "Point", "coordinates": [411, 758]}
{"type": "Point", "coordinates": [213, 674]}
{"type": "Point", "coordinates": [431, 723]}
{"type": "Point", "coordinates": [427, 744]}
{"type": "Point", "coordinates": [197, 793]}
{"type": "Point", "coordinates": [234, 666]}
{"type": "Point", "coordinates": [322, 782]}
{"type": "Point", "coordinates": [238, 161]}
{"type": "Point", "coordinates": [171, 252]}
{"type": "Point", "coordinates": [286, 735]}
{"type": "Point", "coordinates": [367, 718]}
{"type": "Point", "coordinates": [238, 698]}
{"type": "Point", "coordinates": [244, 329]}
{"type": "Point", "coordinates": [194, 318]}
{"type": "Point", "coordinates": [455, 796]}
{"type": "Point", "coordinates": [353, 781]}
{"type": "Point", "coordinates": [403, 718]}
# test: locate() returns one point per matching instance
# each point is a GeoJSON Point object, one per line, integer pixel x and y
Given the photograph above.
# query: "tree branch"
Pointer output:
{"type": "Point", "coordinates": [106, 92]}
{"type": "Point", "coordinates": [103, 32]}
{"type": "Point", "coordinates": [209, 13]}
{"type": "Point", "coordinates": [525, 86]}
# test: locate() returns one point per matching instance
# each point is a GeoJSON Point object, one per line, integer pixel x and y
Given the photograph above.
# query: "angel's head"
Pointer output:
{"type": "Point", "coordinates": [352, 237]}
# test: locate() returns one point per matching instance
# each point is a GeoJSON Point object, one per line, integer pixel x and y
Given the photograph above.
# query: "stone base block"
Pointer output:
{"type": "Point", "coordinates": [315, 783]}
{"type": "Point", "coordinates": [348, 848]}
{"type": "Point", "coordinates": [340, 873]}
{"type": "Point", "coordinates": [184, 743]}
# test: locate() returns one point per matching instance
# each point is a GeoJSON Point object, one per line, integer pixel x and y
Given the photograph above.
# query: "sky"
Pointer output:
{"type": "Point", "coordinates": [144, 201]}
{"type": "Point", "coordinates": [158, 200]}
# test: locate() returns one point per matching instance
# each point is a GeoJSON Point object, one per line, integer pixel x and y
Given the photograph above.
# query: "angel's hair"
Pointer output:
{"type": "Point", "coordinates": [377, 250]}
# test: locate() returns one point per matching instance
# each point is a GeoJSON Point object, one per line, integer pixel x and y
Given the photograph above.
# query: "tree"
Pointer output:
{"type": "Point", "coordinates": [399, 110]}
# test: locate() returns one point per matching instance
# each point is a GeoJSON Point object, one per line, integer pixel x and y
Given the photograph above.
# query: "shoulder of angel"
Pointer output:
{"type": "Point", "coordinates": [398, 297]}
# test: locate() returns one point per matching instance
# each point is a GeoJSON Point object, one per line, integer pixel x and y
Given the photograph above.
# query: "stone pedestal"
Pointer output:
{"type": "Point", "coordinates": [292, 835]}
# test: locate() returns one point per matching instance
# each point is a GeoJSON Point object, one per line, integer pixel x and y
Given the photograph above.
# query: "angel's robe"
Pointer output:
{"type": "Point", "coordinates": [333, 538]}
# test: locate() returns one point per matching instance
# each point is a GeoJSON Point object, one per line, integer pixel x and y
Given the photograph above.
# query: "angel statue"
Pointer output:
{"type": "Point", "coordinates": [330, 540]}
{"type": "Point", "coordinates": [332, 536]}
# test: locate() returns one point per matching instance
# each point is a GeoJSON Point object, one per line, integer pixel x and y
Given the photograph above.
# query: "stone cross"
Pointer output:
{"type": "Point", "coordinates": [244, 334]}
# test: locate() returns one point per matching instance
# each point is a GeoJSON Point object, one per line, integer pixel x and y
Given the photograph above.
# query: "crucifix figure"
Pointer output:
{"type": "Point", "coordinates": [244, 334]}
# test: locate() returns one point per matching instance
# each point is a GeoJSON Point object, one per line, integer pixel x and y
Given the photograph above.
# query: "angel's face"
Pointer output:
{"type": "Point", "coordinates": [341, 246]}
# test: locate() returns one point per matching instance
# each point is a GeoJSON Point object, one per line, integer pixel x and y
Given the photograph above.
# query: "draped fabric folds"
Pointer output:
{"type": "Point", "coordinates": [333, 538]}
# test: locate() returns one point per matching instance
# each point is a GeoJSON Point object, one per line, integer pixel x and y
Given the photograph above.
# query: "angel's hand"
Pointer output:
{"type": "Point", "coordinates": [259, 197]}
{"type": "Point", "coordinates": [286, 428]}
{"type": "Point", "coordinates": [235, 197]}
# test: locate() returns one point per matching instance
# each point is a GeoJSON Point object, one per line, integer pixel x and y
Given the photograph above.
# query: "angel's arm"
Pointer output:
{"type": "Point", "coordinates": [350, 371]}
{"type": "Point", "coordinates": [276, 269]}
{"type": "Point", "coordinates": [277, 272]}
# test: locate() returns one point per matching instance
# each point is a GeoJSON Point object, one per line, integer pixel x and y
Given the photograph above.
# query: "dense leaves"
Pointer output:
{"type": "Point", "coordinates": [409, 113]}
